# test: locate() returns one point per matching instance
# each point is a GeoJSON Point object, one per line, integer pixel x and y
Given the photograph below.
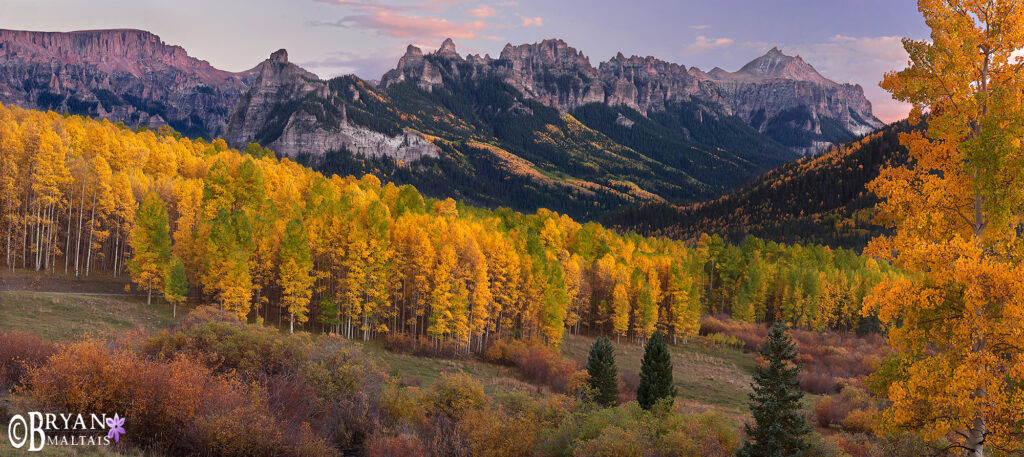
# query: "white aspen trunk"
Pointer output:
{"type": "Point", "coordinates": [25, 231]}
{"type": "Point", "coordinates": [35, 237]}
{"type": "Point", "coordinates": [67, 247]}
{"type": "Point", "coordinates": [81, 211]}
{"type": "Point", "coordinates": [117, 246]}
{"type": "Point", "coordinates": [51, 224]}
{"type": "Point", "coordinates": [92, 225]}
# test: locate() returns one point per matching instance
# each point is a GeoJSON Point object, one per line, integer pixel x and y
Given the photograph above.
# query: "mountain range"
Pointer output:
{"type": "Point", "coordinates": [538, 126]}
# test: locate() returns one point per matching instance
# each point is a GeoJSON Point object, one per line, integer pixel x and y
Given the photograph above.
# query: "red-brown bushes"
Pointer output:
{"type": "Point", "coordinates": [628, 383]}
{"type": "Point", "coordinates": [403, 445]}
{"type": "Point", "coordinates": [853, 409]}
{"type": "Point", "coordinates": [827, 359]}
{"type": "Point", "coordinates": [752, 335]}
{"type": "Point", "coordinates": [542, 365]}
{"type": "Point", "coordinates": [828, 411]}
{"type": "Point", "coordinates": [20, 351]}
{"type": "Point", "coordinates": [536, 362]}
{"type": "Point", "coordinates": [424, 347]}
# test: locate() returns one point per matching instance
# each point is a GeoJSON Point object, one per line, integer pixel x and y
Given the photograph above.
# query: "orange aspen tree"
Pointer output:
{"type": "Point", "coordinates": [957, 317]}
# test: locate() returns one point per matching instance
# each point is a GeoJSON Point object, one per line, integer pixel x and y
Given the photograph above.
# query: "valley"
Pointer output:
{"type": "Point", "coordinates": [372, 245]}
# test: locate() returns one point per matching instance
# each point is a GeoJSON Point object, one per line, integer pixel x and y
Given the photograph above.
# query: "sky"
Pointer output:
{"type": "Point", "coordinates": [853, 41]}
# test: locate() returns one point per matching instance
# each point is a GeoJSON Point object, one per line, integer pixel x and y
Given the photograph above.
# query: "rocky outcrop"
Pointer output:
{"type": "Point", "coordinates": [129, 76]}
{"type": "Point", "coordinates": [292, 112]}
{"type": "Point", "coordinates": [775, 83]}
{"type": "Point", "coordinates": [762, 93]}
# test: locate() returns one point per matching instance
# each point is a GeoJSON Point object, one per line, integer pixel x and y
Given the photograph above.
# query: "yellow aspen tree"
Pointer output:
{"type": "Point", "coordinates": [123, 217]}
{"type": "Point", "coordinates": [443, 294]}
{"type": "Point", "coordinates": [574, 271]}
{"type": "Point", "coordinates": [504, 272]}
{"type": "Point", "coordinates": [480, 291]}
{"type": "Point", "coordinates": [957, 315]}
{"type": "Point", "coordinates": [294, 277]}
{"type": "Point", "coordinates": [620, 310]}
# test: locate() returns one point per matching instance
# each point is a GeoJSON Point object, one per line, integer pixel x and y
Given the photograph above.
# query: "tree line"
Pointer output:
{"type": "Point", "coordinates": [269, 238]}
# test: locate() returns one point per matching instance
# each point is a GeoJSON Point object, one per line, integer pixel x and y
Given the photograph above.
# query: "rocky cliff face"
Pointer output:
{"type": "Point", "coordinates": [775, 85]}
{"type": "Point", "coordinates": [122, 75]}
{"type": "Point", "coordinates": [292, 111]}
{"type": "Point", "coordinates": [781, 96]}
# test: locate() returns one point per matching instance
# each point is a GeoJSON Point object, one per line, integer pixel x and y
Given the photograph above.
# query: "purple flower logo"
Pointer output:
{"type": "Point", "coordinates": [116, 430]}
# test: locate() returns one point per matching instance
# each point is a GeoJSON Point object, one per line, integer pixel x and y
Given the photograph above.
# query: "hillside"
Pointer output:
{"type": "Point", "coordinates": [817, 199]}
{"type": "Point", "coordinates": [537, 127]}
{"type": "Point", "coordinates": [367, 258]}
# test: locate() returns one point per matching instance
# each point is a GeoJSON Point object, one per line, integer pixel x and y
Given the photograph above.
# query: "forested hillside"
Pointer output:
{"type": "Point", "coordinates": [819, 199]}
{"type": "Point", "coordinates": [263, 236]}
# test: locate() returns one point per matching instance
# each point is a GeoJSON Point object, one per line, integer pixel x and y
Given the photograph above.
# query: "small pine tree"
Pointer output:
{"type": "Point", "coordinates": [655, 373]}
{"type": "Point", "coordinates": [779, 428]}
{"type": "Point", "coordinates": [604, 377]}
{"type": "Point", "coordinates": [176, 284]}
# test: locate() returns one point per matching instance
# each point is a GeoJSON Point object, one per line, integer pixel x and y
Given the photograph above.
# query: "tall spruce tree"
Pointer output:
{"type": "Point", "coordinates": [604, 377]}
{"type": "Point", "coordinates": [655, 373]}
{"type": "Point", "coordinates": [779, 428]}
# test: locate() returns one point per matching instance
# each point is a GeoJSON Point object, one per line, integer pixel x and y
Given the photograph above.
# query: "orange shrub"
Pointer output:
{"type": "Point", "coordinates": [505, 351]}
{"type": "Point", "coordinates": [179, 406]}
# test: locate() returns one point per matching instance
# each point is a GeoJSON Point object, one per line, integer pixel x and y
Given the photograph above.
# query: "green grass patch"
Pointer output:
{"type": "Point", "coordinates": [423, 371]}
{"type": "Point", "coordinates": [65, 317]}
{"type": "Point", "coordinates": [705, 375]}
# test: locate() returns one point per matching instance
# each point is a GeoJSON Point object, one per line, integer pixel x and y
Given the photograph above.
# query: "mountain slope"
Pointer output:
{"type": "Point", "coordinates": [126, 75]}
{"type": "Point", "coordinates": [488, 143]}
{"type": "Point", "coordinates": [818, 199]}
{"type": "Point", "coordinates": [539, 126]}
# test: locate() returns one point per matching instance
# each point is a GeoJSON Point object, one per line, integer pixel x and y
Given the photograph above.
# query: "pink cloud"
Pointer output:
{"type": "Point", "coordinates": [704, 44]}
{"type": "Point", "coordinates": [536, 21]}
{"type": "Point", "coordinates": [482, 11]}
{"type": "Point", "coordinates": [399, 25]}
{"type": "Point", "coordinates": [377, 5]}
{"type": "Point", "coordinates": [399, 21]}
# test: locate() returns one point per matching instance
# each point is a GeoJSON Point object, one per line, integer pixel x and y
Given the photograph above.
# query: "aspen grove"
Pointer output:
{"type": "Point", "coordinates": [269, 239]}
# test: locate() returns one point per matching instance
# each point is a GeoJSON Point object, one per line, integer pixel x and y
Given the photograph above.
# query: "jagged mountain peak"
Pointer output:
{"type": "Point", "coordinates": [447, 49]}
{"type": "Point", "coordinates": [775, 64]}
{"type": "Point", "coordinates": [281, 55]}
{"type": "Point", "coordinates": [413, 51]}
{"type": "Point", "coordinates": [549, 49]}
